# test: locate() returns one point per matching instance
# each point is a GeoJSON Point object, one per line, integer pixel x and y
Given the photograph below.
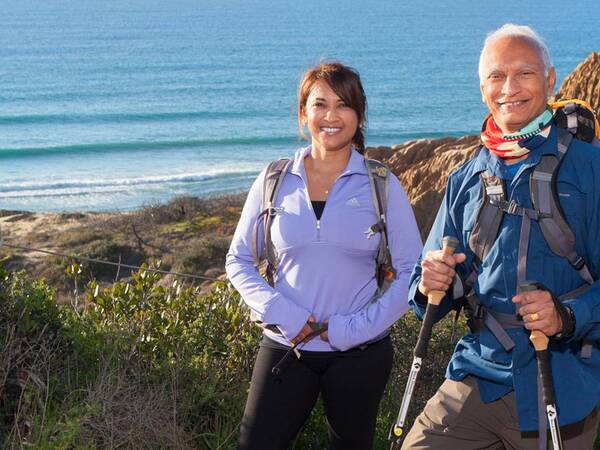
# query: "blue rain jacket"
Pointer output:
{"type": "Point", "coordinates": [326, 267]}
{"type": "Point", "coordinates": [577, 380]}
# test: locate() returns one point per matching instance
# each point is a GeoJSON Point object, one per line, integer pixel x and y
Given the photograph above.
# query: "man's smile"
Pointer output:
{"type": "Point", "coordinates": [511, 106]}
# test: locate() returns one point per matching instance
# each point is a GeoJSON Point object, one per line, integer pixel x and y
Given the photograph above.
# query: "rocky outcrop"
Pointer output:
{"type": "Point", "coordinates": [584, 82]}
{"type": "Point", "coordinates": [423, 165]}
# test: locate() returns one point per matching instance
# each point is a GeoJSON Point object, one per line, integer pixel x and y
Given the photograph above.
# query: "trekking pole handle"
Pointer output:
{"type": "Point", "coordinates": [434, 299]}
{"type": "Point", "coordinates": [540, 343]}
{"type": "Point", "coordinates": [449, 244]}
{"type": "Point", "coordinates": [537, 338]}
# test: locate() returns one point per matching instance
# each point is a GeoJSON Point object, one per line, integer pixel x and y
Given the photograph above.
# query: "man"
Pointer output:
{"type": "Point", "coordinates": [490, 396]}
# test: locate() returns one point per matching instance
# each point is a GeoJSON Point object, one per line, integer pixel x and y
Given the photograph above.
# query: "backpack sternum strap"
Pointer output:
{"type": "Point", "coordinates": [489, 216]}
{"type": "Point", "coordinates": [515, 209]}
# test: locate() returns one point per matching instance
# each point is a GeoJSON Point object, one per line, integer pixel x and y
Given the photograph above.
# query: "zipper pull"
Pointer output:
{"type": "Point", "coordinates": [318, 224]}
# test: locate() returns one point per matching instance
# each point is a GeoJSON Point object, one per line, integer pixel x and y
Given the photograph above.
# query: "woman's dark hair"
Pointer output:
{"type": "Point", "coordinates": [345, 82]}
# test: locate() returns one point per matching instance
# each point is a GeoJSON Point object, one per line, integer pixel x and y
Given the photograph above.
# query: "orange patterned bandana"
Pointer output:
{"type": "Point", "coordinates": [518, 144]}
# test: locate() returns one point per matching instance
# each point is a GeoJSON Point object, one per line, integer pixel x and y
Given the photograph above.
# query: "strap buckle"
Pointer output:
{"type": "Point", "coordinates": [475, 313]}
{"type": "Point", "coordinates": [374, 229]}
{"type": "Point", "coordinates": [579, 263]}
{"type": "Point", "coordinates": [381, 171]}
{"type": "Point", "coordinates": [513, 207]}
{"type": "Point", "coordinates": [479, 312]}
{"type": "Point", "coordinates": [274, 210]}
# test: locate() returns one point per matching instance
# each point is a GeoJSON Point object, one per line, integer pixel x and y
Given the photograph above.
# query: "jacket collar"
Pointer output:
{"type": "Point", "coordinates": [486, 160]}
{"type": "Point", "coordinates": [356, 164]}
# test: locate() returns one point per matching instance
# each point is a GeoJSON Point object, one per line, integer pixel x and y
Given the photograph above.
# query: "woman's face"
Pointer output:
{"type": "Point", "coordinates": [331, 123]}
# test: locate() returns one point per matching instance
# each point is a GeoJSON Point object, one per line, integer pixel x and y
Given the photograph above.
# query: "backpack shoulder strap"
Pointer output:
{"type": "Point", "coordinates": [274, 175]}
{"type": "Point", "coordinates": [379, 180]}
{"type": "Point", "coordinates": [489, 216]}
{"type": "Point", "coordinates": [544, 196]}
{"type": "Point", "coordinates": [273, 178]}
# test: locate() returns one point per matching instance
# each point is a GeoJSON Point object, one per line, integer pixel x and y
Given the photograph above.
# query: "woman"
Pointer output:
{"type": "Point", "coordinates": [325, 275]}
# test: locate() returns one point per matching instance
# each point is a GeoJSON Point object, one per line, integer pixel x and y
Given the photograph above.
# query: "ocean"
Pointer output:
{"type": "Point", "coordinates": [112, 105]}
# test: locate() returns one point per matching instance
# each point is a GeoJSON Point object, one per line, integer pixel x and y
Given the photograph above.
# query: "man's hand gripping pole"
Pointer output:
{"type": "Point", "coordinates": [434, 299]}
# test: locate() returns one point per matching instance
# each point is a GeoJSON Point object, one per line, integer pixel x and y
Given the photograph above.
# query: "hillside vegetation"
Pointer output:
{"type": "Point", "coordinates": [144, 365]}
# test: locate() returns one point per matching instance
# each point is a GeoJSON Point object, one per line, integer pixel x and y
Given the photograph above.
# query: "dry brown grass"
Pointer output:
{"type": "Point", "coordinates": [130, 414]}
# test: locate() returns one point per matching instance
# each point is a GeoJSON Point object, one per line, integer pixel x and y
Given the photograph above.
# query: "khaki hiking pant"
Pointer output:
{"type": "Point", "coordinates": [455, 418]}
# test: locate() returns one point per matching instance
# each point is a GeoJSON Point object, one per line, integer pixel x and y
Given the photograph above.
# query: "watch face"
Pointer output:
{"type": "Point", "coordinates": [568, 322]}
{"type": "Point", "coordinates": [572, 316]}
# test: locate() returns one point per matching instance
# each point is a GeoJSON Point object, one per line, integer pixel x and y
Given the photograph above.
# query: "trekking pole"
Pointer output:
{"type": "Point", "coordinates": [317, 328]}
{"type": "Point", "coordinates": [540, 342]}
{"type": "Point", "coordinates": [434, 299]}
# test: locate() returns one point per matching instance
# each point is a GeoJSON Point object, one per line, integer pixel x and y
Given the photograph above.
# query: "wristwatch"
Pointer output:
{"type": "Point", "coordinates": [568, 318]}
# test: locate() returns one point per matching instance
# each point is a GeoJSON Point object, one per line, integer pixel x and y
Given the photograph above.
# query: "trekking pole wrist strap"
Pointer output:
{"type": "Point", "coordinates": [420, 298]}
{"type": "Point", "coordinates": [426, 329]}
{"type": "Point", "coordinates": [566, 314]}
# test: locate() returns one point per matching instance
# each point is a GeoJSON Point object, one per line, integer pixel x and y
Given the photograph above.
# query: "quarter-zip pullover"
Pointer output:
{"type": "Point", "coordinates": [327, 265]}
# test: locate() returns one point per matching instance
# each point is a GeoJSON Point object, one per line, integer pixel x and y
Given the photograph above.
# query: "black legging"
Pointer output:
{"type": "Point", "coordinates": [351, 385]}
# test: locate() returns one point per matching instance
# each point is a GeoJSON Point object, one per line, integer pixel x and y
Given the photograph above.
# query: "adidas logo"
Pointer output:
{"type": "Point", "coordinates": [353, 202]}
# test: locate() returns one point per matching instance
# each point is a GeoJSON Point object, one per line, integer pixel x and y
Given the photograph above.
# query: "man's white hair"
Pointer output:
{"type": "Point", "coordinates": [516, 31]}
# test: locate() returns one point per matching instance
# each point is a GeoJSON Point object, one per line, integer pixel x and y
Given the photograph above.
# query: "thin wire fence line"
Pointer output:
{"type": "Point", "coordinates": [109, 263]}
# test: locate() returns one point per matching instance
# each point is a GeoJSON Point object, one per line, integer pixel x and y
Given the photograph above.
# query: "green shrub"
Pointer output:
{"type": "Point", "coordinates": [141, 359]}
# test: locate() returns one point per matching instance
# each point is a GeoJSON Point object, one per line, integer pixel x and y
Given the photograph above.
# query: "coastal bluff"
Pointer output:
{"type": "Point", "coordinates": [423, 165]}
{"type": "Point", "coordinates": [584, 82]}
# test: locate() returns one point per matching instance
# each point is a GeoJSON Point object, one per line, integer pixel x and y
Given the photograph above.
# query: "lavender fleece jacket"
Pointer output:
{"type": "Point", "coordinates": [326, 267]}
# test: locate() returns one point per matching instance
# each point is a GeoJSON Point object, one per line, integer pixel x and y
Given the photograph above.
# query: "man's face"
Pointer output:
{"type": "Point", "coordinates": [514, 86]}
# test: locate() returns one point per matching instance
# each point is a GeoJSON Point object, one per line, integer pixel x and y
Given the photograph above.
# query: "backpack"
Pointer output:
{"type": "Point", "coordinates": [573, 118]}
{"type": "Point", "coordinates": [267, 260]}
